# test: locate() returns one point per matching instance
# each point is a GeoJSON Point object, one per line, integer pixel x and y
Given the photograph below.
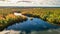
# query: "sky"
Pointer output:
{"type": "Point", "coordinates": [49, 3]}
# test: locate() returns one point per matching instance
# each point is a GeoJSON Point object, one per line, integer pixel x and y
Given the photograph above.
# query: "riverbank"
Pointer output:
{"type": "Point", "coordinates": [51, 15]}
{"type": "Point", "coordinates": [10, 19]}
{"type": "Point", "coordinates": [50, 31]}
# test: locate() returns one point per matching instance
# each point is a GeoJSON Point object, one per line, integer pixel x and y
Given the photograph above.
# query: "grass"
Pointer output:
{"type": "Point", "coordinates": [51, 15]}
{"type": "Point", "coordinates": [7, 18]}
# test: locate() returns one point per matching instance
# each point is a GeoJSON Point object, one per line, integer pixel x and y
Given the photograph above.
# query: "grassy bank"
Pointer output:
{"type": "Point", "coordinates": [51, 15]}
{"type": "Point", "coordinates": [10, 19]}
{"type": "Point", "coordinates": [7, 17]}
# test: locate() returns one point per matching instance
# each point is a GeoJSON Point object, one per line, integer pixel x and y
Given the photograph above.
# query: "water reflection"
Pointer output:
{"type": "Point", "coordinates": [31, 26]}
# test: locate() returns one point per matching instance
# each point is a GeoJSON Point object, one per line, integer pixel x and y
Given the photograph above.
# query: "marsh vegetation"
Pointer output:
{"type": "Point", "coordinates": [50, 15]}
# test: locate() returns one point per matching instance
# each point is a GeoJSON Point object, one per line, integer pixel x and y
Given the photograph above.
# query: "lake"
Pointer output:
{"type": "Point", "coordinates": [35, 26]}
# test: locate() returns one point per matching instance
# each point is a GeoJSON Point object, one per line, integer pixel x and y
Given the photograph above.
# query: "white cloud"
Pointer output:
{"type": "Point", "coordinates": [33, 3]}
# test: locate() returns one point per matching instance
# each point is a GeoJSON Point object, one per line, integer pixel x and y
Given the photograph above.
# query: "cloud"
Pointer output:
{"type": "Point", "coordinates": [42, 3]}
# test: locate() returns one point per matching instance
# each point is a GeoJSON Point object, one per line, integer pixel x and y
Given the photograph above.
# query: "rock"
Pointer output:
{"type": "Point", "coordinates": [10, 32]}
{"type": "Point", "coordinates": [31, 18]}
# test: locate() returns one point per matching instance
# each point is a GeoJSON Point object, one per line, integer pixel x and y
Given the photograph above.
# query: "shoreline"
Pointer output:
{"type": "Point", "coordinates": [23, 18]}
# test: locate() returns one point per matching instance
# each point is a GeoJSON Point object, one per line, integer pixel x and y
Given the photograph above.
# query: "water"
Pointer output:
{"type": "Point", "coordinates": [35, 26]}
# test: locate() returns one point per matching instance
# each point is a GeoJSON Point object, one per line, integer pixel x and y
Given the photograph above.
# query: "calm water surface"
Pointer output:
{"type": "Point", "coordinates": [35, 26]}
